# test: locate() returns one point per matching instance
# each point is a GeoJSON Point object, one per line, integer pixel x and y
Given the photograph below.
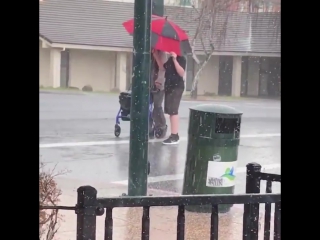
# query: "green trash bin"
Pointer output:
{"type": "Point", "coordinates": [213, 141]}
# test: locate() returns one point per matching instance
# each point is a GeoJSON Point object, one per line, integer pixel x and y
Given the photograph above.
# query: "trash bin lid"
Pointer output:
{"type": "Point", "coordinates": [216, 108]}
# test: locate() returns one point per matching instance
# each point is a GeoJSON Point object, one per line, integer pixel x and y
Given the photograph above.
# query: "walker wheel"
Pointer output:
{"type": "Point", "coordinates": [117, 130]}
{"type": "Point", "coordinates": [159, 133]}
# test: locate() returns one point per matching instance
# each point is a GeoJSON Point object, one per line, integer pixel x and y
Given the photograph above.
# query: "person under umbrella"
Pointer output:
{"type": "Point", "coordinates": [174, 88]}
{"type": "Point", "coordinates": [157, 96]}
{"type": "Point", "coordinates": [169, 37]}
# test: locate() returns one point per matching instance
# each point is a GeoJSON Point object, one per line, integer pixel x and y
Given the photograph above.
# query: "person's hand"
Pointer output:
{"type": "Point", "coordinates": [173, 54]}
{"type": "Point", "coordinates": [154, 52]}
{"type": "Point", "coordinates": [158, 85]}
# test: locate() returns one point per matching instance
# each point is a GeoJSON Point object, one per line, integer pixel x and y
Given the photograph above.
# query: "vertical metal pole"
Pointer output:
{"type": "Point", "coordinates": [86, 215]}
{"type": "Point", "coordinates": [138, 157]}
{"type": "Point", "coordinates": [252, 186]}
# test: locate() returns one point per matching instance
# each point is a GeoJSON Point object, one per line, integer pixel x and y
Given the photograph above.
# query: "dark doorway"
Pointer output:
{"type": "Point", "coordinates": [129, 70]}
{"type": "Point", "coordinates": [190, 72]}
{"type": "Point", "coordinates": [244, 76]}
{"type": "Point", "coordinates": [64, 68]}
{"type": "Point", "coordinates": [264, 76]}
{"type": "Point", "coordinates": [225, 75]}
{"type": "Point", "coordinates": [274, 76]}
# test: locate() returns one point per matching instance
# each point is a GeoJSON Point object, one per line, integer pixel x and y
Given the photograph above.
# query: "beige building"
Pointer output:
{"type": "Point", "coordinates": [62, 65]}
{"type": "Point", "coordinates": [104, 61]}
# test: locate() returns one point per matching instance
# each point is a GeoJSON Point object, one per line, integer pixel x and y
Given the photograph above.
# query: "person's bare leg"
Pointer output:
{"type": "Point", "coordinates": [174, 124]}
{"type": "Point", "coordinates": [172, 102]}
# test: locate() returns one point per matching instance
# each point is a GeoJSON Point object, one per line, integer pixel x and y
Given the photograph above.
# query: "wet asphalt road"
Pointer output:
{"type": "Point", "coordinates": [70, 120]}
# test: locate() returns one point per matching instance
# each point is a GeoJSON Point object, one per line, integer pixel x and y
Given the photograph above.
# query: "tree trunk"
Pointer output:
{"type": "Point", "coordinates": [194, 93]}
{"type": "Point", "coordinates": [194, 89]}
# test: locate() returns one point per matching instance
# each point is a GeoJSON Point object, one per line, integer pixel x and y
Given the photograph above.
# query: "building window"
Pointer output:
{"type": "Point", "coordinates": [185, 2]}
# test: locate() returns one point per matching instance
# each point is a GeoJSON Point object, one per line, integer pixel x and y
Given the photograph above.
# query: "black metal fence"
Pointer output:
{"type": "Point", "coordinates": [89, 207]}
{"type": "Point", "coordinates": [251, 211]}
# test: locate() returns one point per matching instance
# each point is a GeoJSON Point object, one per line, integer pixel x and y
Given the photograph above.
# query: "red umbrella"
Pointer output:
{"type": "Point", "coordinates": [170, 45]}
{"type": "Point", "coordinates": [161, 26]}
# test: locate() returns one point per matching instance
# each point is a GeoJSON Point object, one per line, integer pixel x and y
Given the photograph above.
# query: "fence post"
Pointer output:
{"type": "Point", "coordinates": [251, 211]}
{"type": "Point", "coordinates": [252, 180]}
{"type": "Point", "coordinates": [86, 213]}
{"type": "Point", "coordinates": [253, 186]}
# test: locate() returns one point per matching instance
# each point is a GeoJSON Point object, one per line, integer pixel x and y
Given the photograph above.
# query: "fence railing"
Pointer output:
{"type": "Point", "coordinates": [89, 206]}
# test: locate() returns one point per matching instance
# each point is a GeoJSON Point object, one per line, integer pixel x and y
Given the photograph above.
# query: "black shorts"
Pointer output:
{"type": "Point", "coordinates": [173, 92]}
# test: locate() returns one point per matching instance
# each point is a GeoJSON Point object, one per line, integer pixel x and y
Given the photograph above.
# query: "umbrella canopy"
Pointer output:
{"type": "Point", "coordinates": [161, 26]}
{"type": "Point", "coordinates": [170, 45]}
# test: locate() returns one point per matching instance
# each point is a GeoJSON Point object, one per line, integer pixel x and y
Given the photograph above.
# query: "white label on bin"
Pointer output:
{"type": "Point", "coordinates": [221, 174]}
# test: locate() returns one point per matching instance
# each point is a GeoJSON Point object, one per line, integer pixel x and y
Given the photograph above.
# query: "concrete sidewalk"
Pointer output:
{"type": "Point", "coordinates": [163, 221]}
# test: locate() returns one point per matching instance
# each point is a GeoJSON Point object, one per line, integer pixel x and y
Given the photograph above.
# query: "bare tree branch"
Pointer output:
{"type": "Point", "coordinates": [211, 26]}
{"type": "Point", "coordinates": [49, 194]}
{"type": "Point", "coordinates": [206, 23]}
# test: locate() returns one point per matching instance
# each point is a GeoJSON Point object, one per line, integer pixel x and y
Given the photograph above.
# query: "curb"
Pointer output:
{"type": "Point", "coordinates": [61, 92]}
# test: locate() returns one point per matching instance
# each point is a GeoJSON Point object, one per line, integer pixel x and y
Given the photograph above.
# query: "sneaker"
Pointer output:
{"type": "Point", "coordinates": [173, 139]}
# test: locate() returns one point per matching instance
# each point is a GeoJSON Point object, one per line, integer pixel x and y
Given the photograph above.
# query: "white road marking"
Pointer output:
{"type": "Point", "coordinates": [237, 104]}
{"type": "Point", "coordinates": [180, 176]}
{"type": "Point", "coordinates": [266, 108]}
{"type": "Point", "coordinates": [99, 143]}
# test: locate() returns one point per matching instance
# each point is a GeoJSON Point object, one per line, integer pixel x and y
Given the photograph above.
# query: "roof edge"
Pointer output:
{"type": "Point", "coordinates": [42, 37]}
{"type": "Point", "coordinates": [129, 49]}
{"type": "Point", "coordinates": [91, 47]}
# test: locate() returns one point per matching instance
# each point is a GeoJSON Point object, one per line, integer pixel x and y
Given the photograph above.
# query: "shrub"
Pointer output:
{"type": "Point", "coordinates": [49, 194]}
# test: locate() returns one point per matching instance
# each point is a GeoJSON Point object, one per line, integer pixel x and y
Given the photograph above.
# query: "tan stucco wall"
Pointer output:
{"type": "Point", "coordinates": [44, 66]}
{"type": "Point", "coordinates": [209, 79]}
{"type": "Point", "coordinates": [95, 68]}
